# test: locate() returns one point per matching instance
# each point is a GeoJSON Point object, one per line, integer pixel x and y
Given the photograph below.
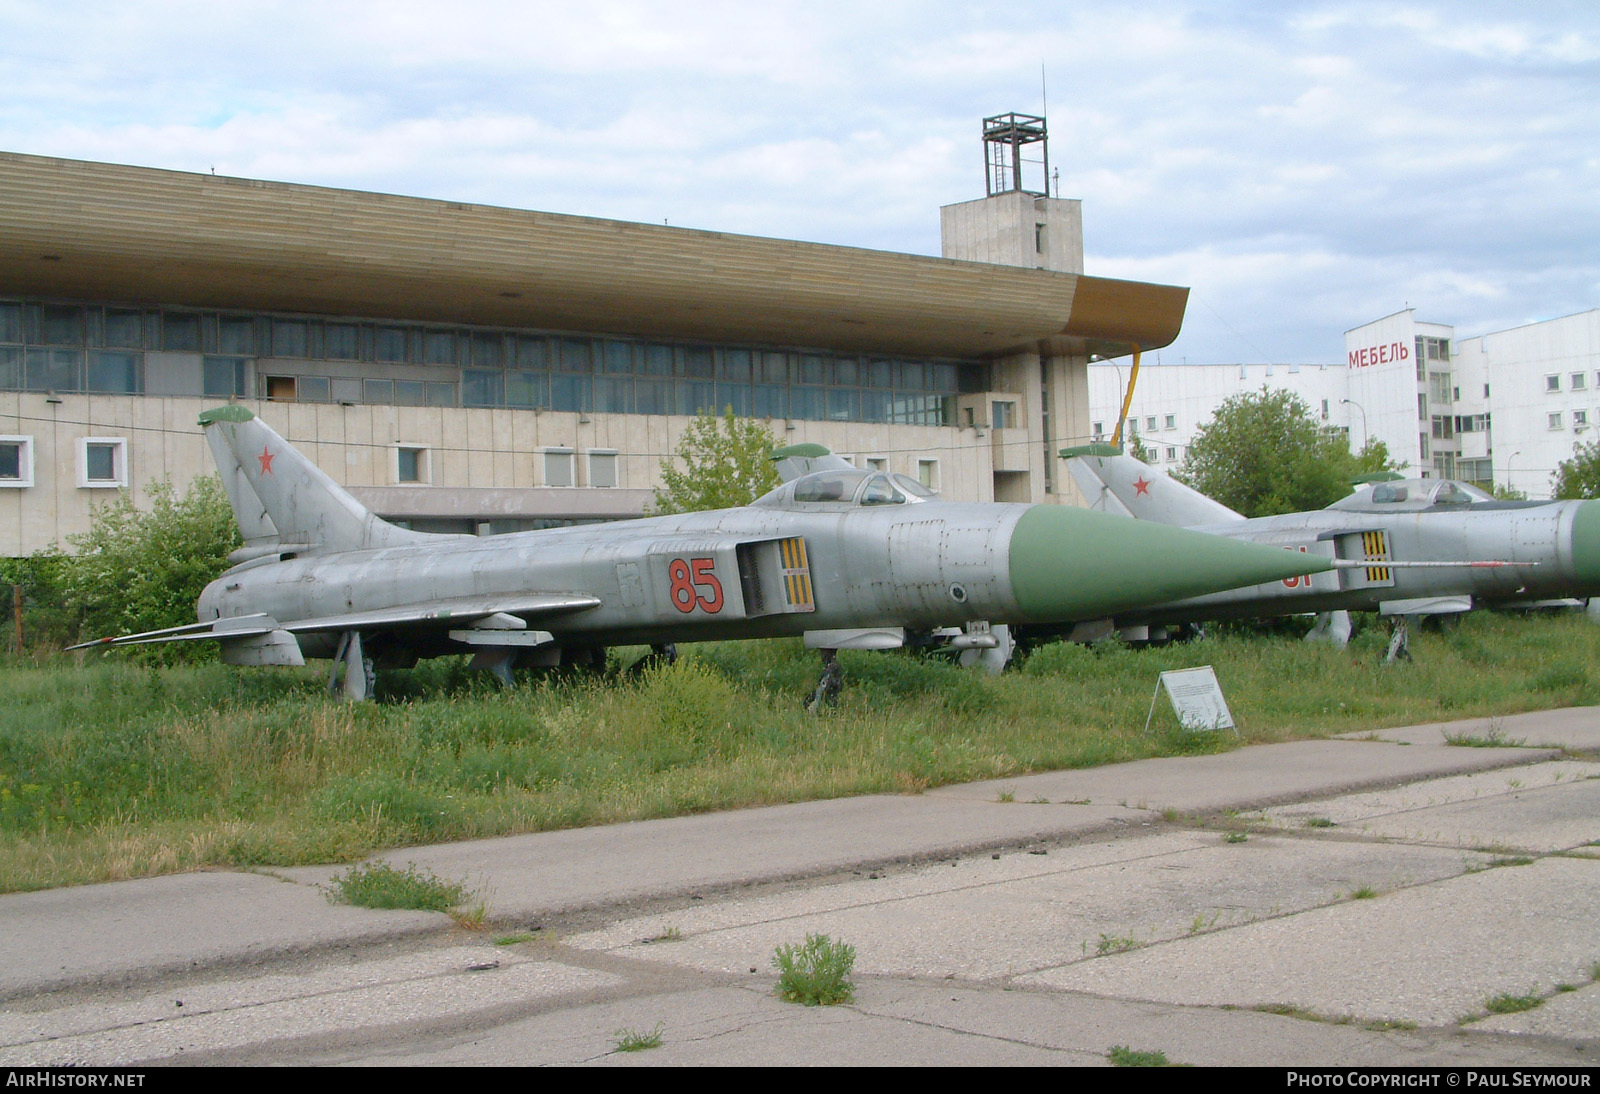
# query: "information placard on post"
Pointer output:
{"type": "Point", "coordinates": [1196, 699]}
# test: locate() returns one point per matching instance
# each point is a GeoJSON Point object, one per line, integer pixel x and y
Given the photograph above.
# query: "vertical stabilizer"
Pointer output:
{"type": "Point", "coordinates": [278, 493]}
{"type": "Point", "coordinates": [1118, 483]}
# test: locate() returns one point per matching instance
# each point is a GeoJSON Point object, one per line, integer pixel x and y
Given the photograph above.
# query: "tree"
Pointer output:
{"type": "Point", "coordinates": [1262, 453]}
{"type": "Point", "coordinates": [142, 571]}
{"type": "Point", "coordinates": [727, 461]}
{"type": "Point", "coordinates": [1136, 448]}
{"type": "Point", "coordinates": [1579, 477]}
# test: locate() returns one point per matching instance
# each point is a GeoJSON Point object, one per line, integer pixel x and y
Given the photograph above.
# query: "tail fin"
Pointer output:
{"type": "Point", "coordinates": [1116, 483]}
{"type": "Point", "coordinates": [281, 499]}
{"type": "Point", "coordinates": [802, 459]}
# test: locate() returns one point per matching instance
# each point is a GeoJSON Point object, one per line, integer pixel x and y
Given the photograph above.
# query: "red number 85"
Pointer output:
{"type": "Point", "coordinates": [689, 578]}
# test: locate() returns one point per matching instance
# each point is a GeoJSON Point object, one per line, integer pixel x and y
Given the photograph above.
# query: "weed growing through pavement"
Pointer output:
{"type": "Point", "coordinates": [1115, 944]}
{"type": "Point", "coordinates": [671, 934]}
{"type": "Point", "coordinates": [513, 939]}
{"type": "Point", "coordinates": [1123, 1056]}
{"type": "Point", "coordinates": [816, 972]}
{"type": "Point", "coordinates": [1366, 892]}
{"type": "Point", "coordinates": [1319, 822]}
{"type": "Point", "coordinates": [1235, 837]}
{"type": "Point", "coordinates": [380, 885]}
{"type": "Point", "coordinates": [637, 1040]}
{"type": "Point", "coordinates": [1006, 796]}
{"type": "Point", "coordinates": [1493, 737]}
{"type": "Point", "coordinates": [1506, 1003]}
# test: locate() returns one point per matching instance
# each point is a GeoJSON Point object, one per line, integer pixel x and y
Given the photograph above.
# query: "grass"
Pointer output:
{"type": "Point", "coordinates": [1365, 892]}
{"type": "Point", "coordinates": [380, 885]}
{"type": "Point", "coordinates": [1493, 737]}
{"type": "Point", "coordinates": [1123, 1056]}
{"type": "Point", "coordinates": [1291, 1010]}
{"type": "Point", "coordinates": [1506, 1003]}
{"type": "Point", "coordinates": [634, 1040]}
{"type": "Point", "coordinates": [1110, 944]}
{"type": "Point", "coordinates": [111, 769]}
{"type": "Point", "coordinates": [816, 972]}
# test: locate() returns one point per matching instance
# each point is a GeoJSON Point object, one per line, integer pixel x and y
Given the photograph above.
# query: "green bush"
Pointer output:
{"type": "Point", "coordinates": [141, 571]}
{"type": "Point", "coordinates": [380, 885]}
{"type": "Point", "coordinates": [816, 972]}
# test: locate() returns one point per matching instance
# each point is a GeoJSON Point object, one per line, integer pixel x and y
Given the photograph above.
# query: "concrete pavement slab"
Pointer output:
{"type": "Point", "coordinates": [1573, 1014]}
{"type": "Point", "coordinates": [234, 1013]}
{"type": "Point", "coordinates": [1575, 728]}
{"type": "Point", "coordinates": [1429, 954]}
{"type": "Point", "coordinates": [986, 920]}
{"type": "Point", "coordinates": [560, 871]}
{"type": "Point", "coordinates": [138, 928]}
{"type": "Point", "coordinates": [1542, 808]}
{"type": "Point", "coordinates": [1246, 778]}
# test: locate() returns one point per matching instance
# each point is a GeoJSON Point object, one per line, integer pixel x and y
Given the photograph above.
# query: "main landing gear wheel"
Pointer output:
{"type": "Point", "coordinates": [829, 685]}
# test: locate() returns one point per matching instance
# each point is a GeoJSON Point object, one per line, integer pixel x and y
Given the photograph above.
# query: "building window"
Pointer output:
{"type": "Point", "coordinates": [558, 465]}
{"type": "Point", "coordinates": [1172, 455]}
{"type": "Point", "coordinates": [1324, 410]}
{"type": "Point", "coordinates": [1098, 430]}
{"type": "Point", "coordinates": [224, 376]}
{"type": "Point", "coordinates": [1579, 381]}
{"type": "Point", "coordinates": [1552, 383]}
{"type": "Point", "coordinates": [115, 372]}
{"type": "Point", "coordinates": [602, 468]}
{"type": "Point", "coordinates": [928, 474]}
{"type": "Point", "coordinates": [411, 463]}
{"type": "Point", "coordinates": [1005, 415]}
{"type": "Point", "coordinates": [103, 462]}
{"type": "Point", "coordinates": [878, 463]}
{"type": "Point", "coordinates": [1441, 387]}
{"type": "Point", "coordinates": [280, 388]}
{"type": "Point", "coordinates": [1554, 420]}
{"type": "Point", "coordinates": [1580, 419]}
{"type": "Point", "coordinates": [1150, 424]}
{"type": "Point", "coordinates": [16, 461]}
{"type": "Point", "coordinates": [1172, 419]}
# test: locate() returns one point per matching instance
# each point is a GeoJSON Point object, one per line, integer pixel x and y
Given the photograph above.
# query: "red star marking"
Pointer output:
{"type": "Point", "coordinates": [1141, 487]}
{"type": "Point", "coordinates": [266, 459]}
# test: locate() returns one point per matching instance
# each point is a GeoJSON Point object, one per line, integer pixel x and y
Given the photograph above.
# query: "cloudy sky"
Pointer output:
{"type": "Point", "coordinates": [1304, 167]}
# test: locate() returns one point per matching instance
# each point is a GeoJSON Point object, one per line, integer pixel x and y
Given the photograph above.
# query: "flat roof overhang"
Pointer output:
{"type": "Point", "coordinates": [82, 230]}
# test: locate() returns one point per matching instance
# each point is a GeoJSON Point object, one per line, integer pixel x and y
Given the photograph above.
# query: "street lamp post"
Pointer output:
{"type": "Point", "coordinates": [1363, 410]}
{"type": "Point", "coordinates": [1509, 458]}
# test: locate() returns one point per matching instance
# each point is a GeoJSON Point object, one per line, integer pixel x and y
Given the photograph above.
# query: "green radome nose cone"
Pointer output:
{"type": "Point", "coordinates": [1586, 543]}
{"type": "Point", "coordinates": [1070, 564]}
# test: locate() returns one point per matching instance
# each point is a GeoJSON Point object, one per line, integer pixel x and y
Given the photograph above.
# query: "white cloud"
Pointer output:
{"type": "Point", "coordinates": [1302, 171]}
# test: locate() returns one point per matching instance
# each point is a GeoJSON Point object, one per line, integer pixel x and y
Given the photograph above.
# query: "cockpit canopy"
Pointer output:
{"type": "Point", "coordinates": [1413, 495]}
{"type": "Point", "coordinates": [846, 488]}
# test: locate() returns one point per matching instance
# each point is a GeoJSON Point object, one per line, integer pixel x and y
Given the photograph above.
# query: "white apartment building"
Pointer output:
{"type": "Point", "coordinates": [1501, 408]}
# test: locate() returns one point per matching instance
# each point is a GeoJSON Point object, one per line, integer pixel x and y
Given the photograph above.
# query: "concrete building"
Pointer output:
{"type": "Point", "coordinates": [462, 367]}
{"type": "Point", "coordinates": [1497, 409]}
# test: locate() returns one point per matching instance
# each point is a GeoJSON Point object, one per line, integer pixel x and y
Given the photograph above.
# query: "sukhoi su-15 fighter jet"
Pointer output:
{"type": "Point", "coordinates": [1465, 548]}
{"type": "Point", "coordinates": [848, 558]}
